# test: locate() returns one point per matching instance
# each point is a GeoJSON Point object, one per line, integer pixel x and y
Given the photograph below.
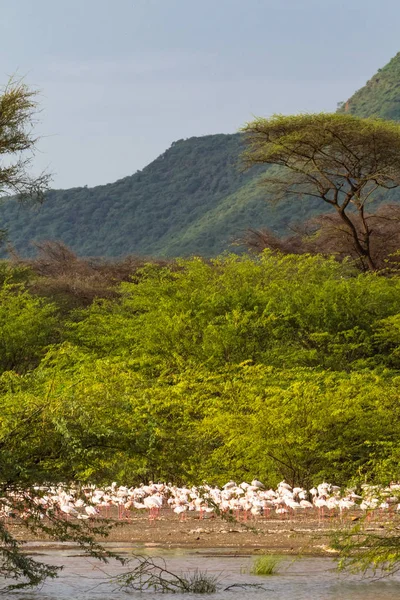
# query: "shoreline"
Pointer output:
{"type": "Point", "coordinates": [308, 537]}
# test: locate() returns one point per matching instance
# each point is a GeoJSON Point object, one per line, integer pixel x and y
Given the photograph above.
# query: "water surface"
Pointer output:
{"type": "Point", "coordinates": [298, 579]}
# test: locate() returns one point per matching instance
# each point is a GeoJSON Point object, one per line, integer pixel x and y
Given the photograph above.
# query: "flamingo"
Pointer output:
{"type": "Point", "coordinates": [154, 504]}
{"type": "Point", "coordinates": [91, 511]}
{"type": "Point", "coordinates": [68, 510]}
{"type": "Point", "coordinates": [320, 503]}
{"type": "Point", "coordinates": [180, 510]}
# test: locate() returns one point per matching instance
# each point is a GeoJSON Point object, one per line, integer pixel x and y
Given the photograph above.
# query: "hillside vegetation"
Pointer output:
{"type": "Point", "coordinates": [380, 97]}
{"type": "Point", "coordinates": [194, 199]}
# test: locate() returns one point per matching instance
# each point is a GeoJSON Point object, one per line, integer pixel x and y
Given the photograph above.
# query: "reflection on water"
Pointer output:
{"type": "Point", "coordinates": [298, 579]}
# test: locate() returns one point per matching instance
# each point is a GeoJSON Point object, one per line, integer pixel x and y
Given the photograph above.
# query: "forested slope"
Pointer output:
{"type": "Point", "coordinates": [193, 199]}
{"type": "Point", "coordinates": [380, 97]}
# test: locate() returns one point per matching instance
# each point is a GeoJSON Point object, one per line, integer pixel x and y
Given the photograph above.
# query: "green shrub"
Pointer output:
{"type": "Point", "coordinates": [266, 564]}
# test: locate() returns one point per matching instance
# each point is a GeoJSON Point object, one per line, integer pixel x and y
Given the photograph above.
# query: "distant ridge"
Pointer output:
{"type": "Point", "coordinates": [380, 97]}
{"type": "Point", "coordinates": [193, 199]}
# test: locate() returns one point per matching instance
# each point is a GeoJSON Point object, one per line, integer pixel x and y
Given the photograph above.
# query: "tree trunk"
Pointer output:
{"type": "Point", "coordinates": [363, 252]}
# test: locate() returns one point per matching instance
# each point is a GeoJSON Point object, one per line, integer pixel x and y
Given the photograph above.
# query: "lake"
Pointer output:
{"type": "Point", "coordinates": [298, 578]}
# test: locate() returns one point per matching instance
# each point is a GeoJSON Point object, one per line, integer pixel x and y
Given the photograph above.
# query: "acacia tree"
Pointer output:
{"type": "Point", "coordinates": [328, 234]}
{"type": "Point", "coordinates": [341, 160]}
{"type": "Point", "coordinates": [38, 450]}
{"type": "Point", "coordinates": [18, 110]}
{"type": "Point", "coordinates": [24, 465]}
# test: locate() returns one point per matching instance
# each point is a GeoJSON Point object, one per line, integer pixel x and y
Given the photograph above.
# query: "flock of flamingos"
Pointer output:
{"type": "Point", "coordinates": [244, 501]}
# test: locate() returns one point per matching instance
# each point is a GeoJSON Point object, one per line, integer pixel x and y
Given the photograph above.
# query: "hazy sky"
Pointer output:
{"type": "Point", "coordinates": [120, 80]}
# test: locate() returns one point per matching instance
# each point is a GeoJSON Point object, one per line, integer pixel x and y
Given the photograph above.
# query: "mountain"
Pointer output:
{"type": "Point", "coordinates": [193, 199]}
{"type": "Point", "coordinates": [380, 97]}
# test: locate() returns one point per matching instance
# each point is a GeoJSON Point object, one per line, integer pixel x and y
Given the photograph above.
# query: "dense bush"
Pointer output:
{"type": "Point", "coordinates": [277, 310]}
{"type": "Point", "coordinates": [271, 367]}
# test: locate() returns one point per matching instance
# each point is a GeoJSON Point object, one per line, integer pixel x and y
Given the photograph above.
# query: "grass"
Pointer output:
{"type": "Point", "coordinates": [199, 582]}
{"type": "Point", "coordinates": [266, 564]}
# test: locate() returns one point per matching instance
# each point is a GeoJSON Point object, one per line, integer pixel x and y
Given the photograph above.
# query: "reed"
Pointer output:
{"type": "Point", "coordinates": [266, 564]}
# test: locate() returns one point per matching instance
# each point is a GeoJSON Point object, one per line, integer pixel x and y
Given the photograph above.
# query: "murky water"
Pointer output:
{"type": "Point", "coordinates": [298, 579]}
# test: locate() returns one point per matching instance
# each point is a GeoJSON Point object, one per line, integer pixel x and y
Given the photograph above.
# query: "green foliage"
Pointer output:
{"type": "Point", "coordinates": [14, 274]}
{"type": "Point", "coordinates": [277, 310]}
{"type": "Point", "coordinates": [276, 366]}
{"type": "Point", "coordinates": [194, 199]}
{"type": "Point", "coordinates": [266, 564]}
{"type": "Point", "coordinates": [18, 109]}
{"type": "Point", "coordinates": [380, 96]}
{"type": "Point", "coordinates": [27, 326]}
{"type": "Point", "coordinates": [171, 208]}
{"type": "Point", "coordinates": [375, 554]}
{"type": "Point", "coordinates": [25, 570]}
{"type": "Point", "coordinates": [341, 160]}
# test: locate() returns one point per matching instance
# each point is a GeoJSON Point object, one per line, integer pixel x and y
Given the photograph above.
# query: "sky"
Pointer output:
{"type": "Point", "coordinates": [120, 80]}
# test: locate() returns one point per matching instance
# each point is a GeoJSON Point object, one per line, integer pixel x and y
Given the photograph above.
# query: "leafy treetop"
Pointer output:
{"type": "Point", "coordinates": [18, 108]}
{"type": "Point", "coordinates": [340, 160]}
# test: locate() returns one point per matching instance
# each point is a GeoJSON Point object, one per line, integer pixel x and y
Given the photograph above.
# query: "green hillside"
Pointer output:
{"type": "Point", "coordinates": [193, 199]}
{"type": "Point", "coordinates": [380, 97]}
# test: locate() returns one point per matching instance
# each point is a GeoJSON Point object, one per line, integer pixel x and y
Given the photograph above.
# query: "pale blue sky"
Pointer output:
{"type": "Point", "coordinates": [121, 80]}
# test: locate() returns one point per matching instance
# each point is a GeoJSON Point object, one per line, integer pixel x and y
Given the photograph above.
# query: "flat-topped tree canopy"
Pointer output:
{"type": "Point", "coordinates": [341, 160]}
{"type": "Point", "coordinates": [18, 111]}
